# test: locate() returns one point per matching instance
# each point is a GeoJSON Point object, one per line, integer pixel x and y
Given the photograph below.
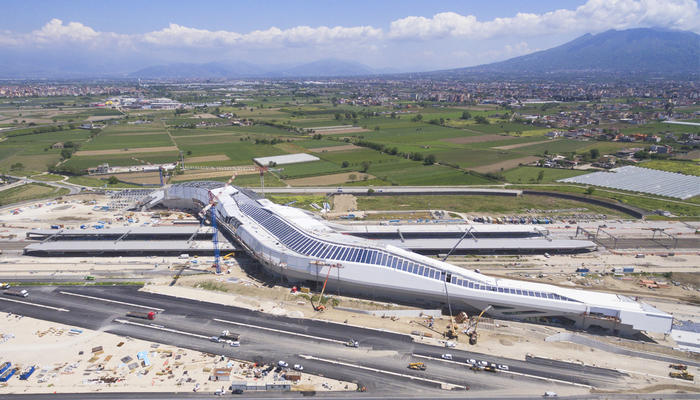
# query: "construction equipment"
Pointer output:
{"type": "Point", "coordinates": [229, 255]}
{"type": "Point", "coordinates": [682, 375]}
{"type": "Point", "coordinates": [142, 314]}
{"type": "Point", "coordinates": [211, 208]}
{"type": "Point", "coordinates": [417, 366]}
{"type": "Point", "coordinates": [321, 307]}
{"type": "Point", "coordinates": [262, 170]}
{"type": "Point", "coordinates": [179, 274]}
{"type": "Point", "coordinates": [678, 366]}
{"type": "Point", "coordinates": [471, 330]}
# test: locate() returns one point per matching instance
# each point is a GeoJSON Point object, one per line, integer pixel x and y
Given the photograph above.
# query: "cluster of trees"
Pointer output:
{"type": "Point", "coordinates": [645, 154]}
{"type": "Point", "coordinates": [43, 129]}
{"type": "Point", "coordinates": [270, 141]}
{"type": "Point", "coordinates": [65, 169]}
{"type": "Point", "coordinates": [68, 149]}
{"type": "Point", "coordinates": [479, 119]}
{"type": "Point", "coordinates": [348, 115]}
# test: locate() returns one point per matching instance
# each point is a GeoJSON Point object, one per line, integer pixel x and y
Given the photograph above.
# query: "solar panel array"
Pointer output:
{"type": "Point", "coordinates": [643, 180]}
{"type": "Point", "coordinates": [305, 244]}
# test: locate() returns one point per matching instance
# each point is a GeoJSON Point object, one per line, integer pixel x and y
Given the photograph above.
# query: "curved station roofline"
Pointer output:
{"type": "Point", "coordinates": [300, 247]}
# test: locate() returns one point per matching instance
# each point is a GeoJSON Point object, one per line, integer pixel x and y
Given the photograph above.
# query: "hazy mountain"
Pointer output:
{"type": "Point", "coordinates": [190, 70]}
{"type": "Point", "coordinates": [329, 67]}
{"type": "Point", "coordinates": [646, 51]}
{"type": "Point", "coordinates": [321, 68]}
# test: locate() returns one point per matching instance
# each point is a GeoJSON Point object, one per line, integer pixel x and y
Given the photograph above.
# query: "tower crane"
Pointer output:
{"type": "Point", "coordinates": [211, 209]}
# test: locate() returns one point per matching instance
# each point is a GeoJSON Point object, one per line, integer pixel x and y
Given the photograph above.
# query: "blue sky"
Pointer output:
{"type": "Point", "coordinates": [407, 35]}
{"type": "Point", "coordinates": [142, 16]}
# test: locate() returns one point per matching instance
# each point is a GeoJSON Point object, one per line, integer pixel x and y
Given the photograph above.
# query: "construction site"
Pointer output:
{"type": "Point", "coordinates": [138, 250]}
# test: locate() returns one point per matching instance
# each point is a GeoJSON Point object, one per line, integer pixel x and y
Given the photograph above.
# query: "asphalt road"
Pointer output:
{"type": "Point", "coordinates": [393, 190]}
{"type": "Point", "coordinates": [379, 364]}
{"type": "Point", "coordinates": [73, 189]}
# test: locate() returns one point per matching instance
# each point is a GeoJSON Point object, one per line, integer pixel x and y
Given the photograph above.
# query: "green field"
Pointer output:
{"type": "Point", "coordinates": [98, 182]}
{"type": "Point", "coordinates": [682, 167]}
{"type": "Point", "coordinates": [30, 191]}
{"type": "Point", "coordinates": [530, 174]}
{"type": "Point", "coordinates": [306, 169]}
{"type": "Point", "coordinates": [476, 204]}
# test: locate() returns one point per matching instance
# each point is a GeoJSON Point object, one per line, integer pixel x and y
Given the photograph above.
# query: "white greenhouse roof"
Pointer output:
{"type": "Point", "coordinates": [643, 180]}
{"type": "Point", "coordinates": [285, 159]}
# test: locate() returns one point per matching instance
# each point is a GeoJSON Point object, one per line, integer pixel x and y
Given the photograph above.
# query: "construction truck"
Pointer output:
{"type": "Point", "coordinates": [142, 314]}
{"type": "Point", "coordinates": [417, 366]}
{"type": "Point", "coordinates": [228, 335]}
{"type": "Point", "coordinates": [678, 366]}
{"type": "Point", "coordinates": [682, 375]}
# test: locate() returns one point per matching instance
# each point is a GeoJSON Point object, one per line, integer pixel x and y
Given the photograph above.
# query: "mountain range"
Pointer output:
{"type": "Point", "coordinates": [219, 70]}
{"type": "Point", "coordinates": [632, 51]}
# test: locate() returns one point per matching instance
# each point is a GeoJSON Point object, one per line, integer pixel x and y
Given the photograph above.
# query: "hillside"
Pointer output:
{"type": "Point", "coordinates": [645, 51]}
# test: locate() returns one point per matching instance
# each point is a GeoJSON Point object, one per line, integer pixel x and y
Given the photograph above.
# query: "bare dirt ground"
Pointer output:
{"type": "Point", "coordinates": [131, 150]}
{"type": "Point", "coordinates": [140, 177]}
{"type": "Point", "coordinates": [343, 203]}
{"type": "Point", "coordinates": [103, 117]}
{"type": "Point", "coordinates": [205, 173]}
{"type": "Point", "coordinates": [508, 164]}
{"type": "Point", "coordinates": [515, 146]}
{"type": "Point", "coordinates": [101, 366]}
{"type": "Point", "coordinates": [505, 338]}
{"type": "Point", "coordinates": [205, 115]}
{"type": "Point", "coordinates": [332, 179]}
{"type": "Point", "coordinates": [345, 147]}
{"type": "Point", "coordinates": [477, 139]}
{"type": "Point", "coordinates": [216, 157]}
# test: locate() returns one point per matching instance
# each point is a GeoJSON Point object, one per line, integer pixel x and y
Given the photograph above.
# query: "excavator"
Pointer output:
{"type": "Point", "coordinates": [471, 331]}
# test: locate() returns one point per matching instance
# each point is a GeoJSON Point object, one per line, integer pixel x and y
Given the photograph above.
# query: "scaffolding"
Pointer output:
{"type": "Point", "coordinates": [128, 199]}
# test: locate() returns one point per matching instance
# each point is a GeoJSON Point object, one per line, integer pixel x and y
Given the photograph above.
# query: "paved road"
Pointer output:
{"type": "Point", "coordinates": [298, 395]}
{"type": "Point", "coordinates": [647, 243]}
{"type": "Point", "coordinates": [73, 189]}
{"type": "Point", "coordinates": [266, 338]}
{"type": "Point", "coordinates": [379, 190]}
